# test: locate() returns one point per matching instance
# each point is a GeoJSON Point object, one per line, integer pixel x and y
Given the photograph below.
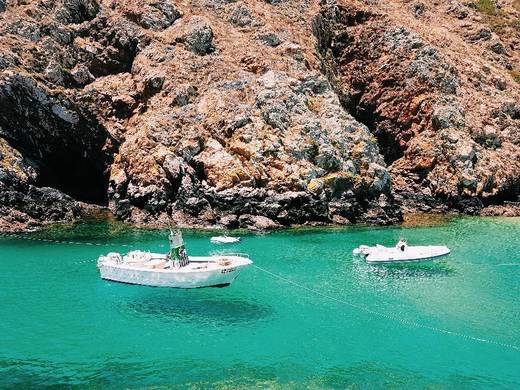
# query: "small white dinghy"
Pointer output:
{"type": "Point", "coordinates": [174, 269]}
{"type": "Point", "coordinates": [224, 240]}
{"type": "Point", "coordinates": [401, 253]}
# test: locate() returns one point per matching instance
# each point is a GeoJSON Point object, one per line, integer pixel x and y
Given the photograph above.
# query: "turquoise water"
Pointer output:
{"type": "Point", "coordinates": [61, 325]}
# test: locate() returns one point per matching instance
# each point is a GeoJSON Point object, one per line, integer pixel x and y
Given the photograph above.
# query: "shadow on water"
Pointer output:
{"type": "Point", "coordinates": [216, 310]}
{"type": "Point", "coordinates": [403, 271]}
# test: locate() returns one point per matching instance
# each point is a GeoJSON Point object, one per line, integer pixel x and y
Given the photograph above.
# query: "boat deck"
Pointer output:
{"type": "Point", "coordinates": [159, 263]}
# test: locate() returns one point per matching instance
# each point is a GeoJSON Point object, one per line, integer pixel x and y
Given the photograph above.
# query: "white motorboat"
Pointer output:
{"type": "Point", "coordinates": [224, 240]}
{"type": "Point", "coordinates": [401, 253]}
{"type": "Point", "coordinates": [174, 269]}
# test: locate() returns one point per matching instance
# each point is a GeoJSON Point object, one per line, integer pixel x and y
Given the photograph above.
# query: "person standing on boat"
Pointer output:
{"type": "Point", "coordinates": [402, 244]}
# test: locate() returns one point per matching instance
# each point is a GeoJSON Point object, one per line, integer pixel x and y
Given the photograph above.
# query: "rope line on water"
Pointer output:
{"type": "Point", "coordinates": [84, 261]}
{"type": "Point", "coordinates": [387, 316]}
{"type": "Point", "coordinates": [22, 237]}
{"type": "Point", "coordinates": [485, 265]}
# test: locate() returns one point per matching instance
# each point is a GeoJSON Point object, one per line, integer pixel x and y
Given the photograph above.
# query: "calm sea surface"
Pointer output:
{"type": "Point", "coordinates": [454, 324]}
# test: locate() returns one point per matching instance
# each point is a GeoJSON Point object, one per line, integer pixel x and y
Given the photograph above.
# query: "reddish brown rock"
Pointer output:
{"type": "Point", "coordinates": [234, 113]}
{"type": "Point", "coordinates": [446, 136]}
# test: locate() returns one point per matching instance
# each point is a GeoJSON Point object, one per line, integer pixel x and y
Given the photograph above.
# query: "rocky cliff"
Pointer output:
{"type": "Point", "coordinates": [436, 84]}
{"type": "Point", "coordinates": [257, 113]}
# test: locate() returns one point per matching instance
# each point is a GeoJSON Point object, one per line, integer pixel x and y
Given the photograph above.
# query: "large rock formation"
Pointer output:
{"type": "Point", "coordinates": [436, 88]}
{"type": "Point", "coordinates": [253, 113]}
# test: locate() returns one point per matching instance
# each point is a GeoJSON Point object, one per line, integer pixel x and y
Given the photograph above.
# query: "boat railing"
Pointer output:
{"type": "Point", "coordinates": [235, 254]}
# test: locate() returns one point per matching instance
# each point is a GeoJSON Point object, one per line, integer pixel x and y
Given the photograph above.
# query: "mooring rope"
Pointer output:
{"type": "Point", "coordinates": [387, 316]}
{"type": "Point", "coordinates": [484, 264]}
{"type": "Point", "coordinates": [84, 261]}
{"type": "Point", "coordinates": [23, 237]}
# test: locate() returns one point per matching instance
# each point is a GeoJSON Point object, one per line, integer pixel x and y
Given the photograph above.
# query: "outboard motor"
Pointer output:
{"type": "Point", "coordinates": [177, 254]}
{"type": "Point", "coordinates": [363, 250]}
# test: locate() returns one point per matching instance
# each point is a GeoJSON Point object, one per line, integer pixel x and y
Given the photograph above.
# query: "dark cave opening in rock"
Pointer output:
{"type": "Point", "coordinates": [389, 146]}
{"type": "Point", "coordinates": [76, 176]}
{"type": "Point", "coordinates": [509, 193]}
{"type": "Point", "coordinates": [64, 142]}
{"type": "Point", "coordinates": [383, 129]}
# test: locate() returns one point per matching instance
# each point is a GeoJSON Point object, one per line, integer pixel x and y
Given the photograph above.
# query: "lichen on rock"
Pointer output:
{"type": "Point", "coordinates": [424, 104]}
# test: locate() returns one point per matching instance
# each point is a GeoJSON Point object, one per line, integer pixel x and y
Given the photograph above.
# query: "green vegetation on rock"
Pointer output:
{"type": "Point", "coordinates": [487, 7]}
{"type": "Point", "coordinates": [516, 75]}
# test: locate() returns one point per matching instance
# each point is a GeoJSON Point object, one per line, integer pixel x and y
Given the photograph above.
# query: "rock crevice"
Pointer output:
{"type": "Point", "coordinates": [416, 100]}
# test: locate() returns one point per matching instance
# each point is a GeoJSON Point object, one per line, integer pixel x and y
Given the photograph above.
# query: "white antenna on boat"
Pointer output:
{"type": "Point", "coordinates": [170, 225]}
{"type": "Point", "coordinates": [175, 236]}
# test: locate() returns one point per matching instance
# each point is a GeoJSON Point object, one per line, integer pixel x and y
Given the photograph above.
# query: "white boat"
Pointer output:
{"type": "Point", "coordinates": [174, 269]}
{"type": "Point", "coordinates": [401, 253]}
{"type": "Point", "coordinates": [224, 240]}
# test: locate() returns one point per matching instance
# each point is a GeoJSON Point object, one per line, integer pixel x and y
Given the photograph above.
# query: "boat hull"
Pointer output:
{"type": "Point", "coordinates": [401, 261]}
{"type": "Point", "coordinates": [215, 276]}
{"type": "Point", "coordinates": [224, 240]}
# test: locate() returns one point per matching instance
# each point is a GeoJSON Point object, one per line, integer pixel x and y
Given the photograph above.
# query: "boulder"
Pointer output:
{"type": "Point", "coordinates": [154, 15]}
{"type": "Point", "coordinates": [230, 221]}
{"type": "Point", "coordinates": [78, 11]}
{"type": "Point", "coordinates": [241, 16]}
{"type": "Point", "coordinates": [257, 222]}
{"type": "Point", "coordinates": [448, 115]}
{"type": "Point", "coordinates": [270, 39]}
{"type": "Point", "coordinates": [198, 36]}
{"type": "Point", "coordinates": [484, 34]}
